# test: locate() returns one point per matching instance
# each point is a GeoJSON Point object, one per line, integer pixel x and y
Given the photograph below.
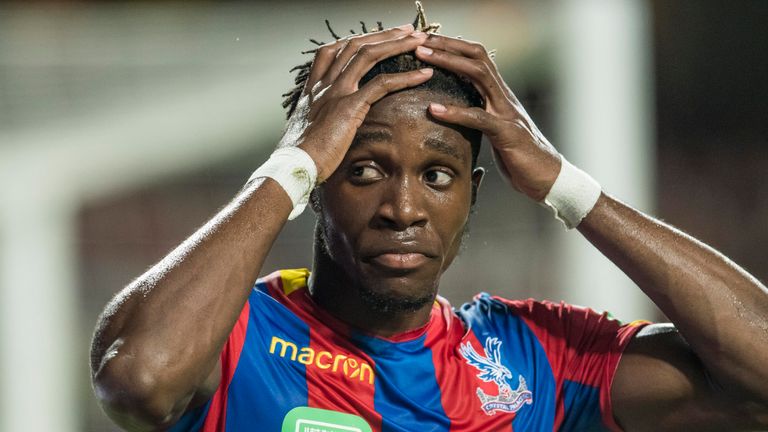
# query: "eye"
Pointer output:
{"type": "Point", "coordinates": [437, 177]}
{"type": "Point", "coordinates": [365, 173]}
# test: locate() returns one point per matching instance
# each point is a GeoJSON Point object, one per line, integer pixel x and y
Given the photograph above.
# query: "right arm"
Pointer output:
{"type": "Point", "coordinates": [157, 343]}
{"type": "Point", "coordinates": [155, 352]}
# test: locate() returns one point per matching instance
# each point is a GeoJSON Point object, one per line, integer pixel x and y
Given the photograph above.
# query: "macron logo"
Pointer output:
{"type": "Point", "coordinates": [325, 361]}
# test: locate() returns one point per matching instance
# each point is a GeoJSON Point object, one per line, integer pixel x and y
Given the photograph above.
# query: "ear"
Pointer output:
{"type": "Point", "coordinates": [477, 178]}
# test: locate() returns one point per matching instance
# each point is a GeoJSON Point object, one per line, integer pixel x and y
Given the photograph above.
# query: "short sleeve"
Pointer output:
{"type": "Point", "coordinates": [212, 415]}
{"type": "Point", "coordinates": [583, 348]}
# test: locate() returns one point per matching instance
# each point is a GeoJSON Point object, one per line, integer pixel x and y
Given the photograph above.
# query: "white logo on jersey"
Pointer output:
{"type": "Point", "coordinates": [491, 370]}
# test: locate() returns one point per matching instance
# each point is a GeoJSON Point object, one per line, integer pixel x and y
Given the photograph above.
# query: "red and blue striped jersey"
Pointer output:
{"type": "Point", "coordinates": [491, 365]}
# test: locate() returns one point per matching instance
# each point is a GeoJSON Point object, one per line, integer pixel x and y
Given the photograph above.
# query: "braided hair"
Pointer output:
{"type": "Point", "coordinates": [442, 81]}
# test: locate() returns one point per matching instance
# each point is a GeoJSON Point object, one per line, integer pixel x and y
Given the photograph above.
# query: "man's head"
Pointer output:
{"type": "Point", "coordinates": [392, 216]}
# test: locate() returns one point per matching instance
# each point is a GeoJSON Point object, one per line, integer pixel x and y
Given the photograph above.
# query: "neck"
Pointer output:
{"type": "Point", "coordinates": [339, 294]}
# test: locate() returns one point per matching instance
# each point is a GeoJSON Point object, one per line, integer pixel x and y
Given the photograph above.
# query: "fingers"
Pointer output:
{"type": "Point", "coordinates": [478, 71]}
{"type": "Point", "coordinates": [324, 57]}
{"type": "Point", "coordinates": [383, 84]}
{"type": "Point", "coordinates": [473, 50]}
{"type": "Point", "coordinates": [473, 118]}
{"type": "Point", "coordinates": [464, 48]}
{"type": "Point", "coordinates": [457, 46]}
{"type": "Point", "coordinates": [348, 47]}
{"type": "Point", "coordinates": [370, 54]}
{"type": "Point", "coordinates": [325, 66]}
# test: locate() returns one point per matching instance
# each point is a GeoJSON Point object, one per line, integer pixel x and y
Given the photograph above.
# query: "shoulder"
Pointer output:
{"type": "Point", "coordinates": [284, 281]}
{"type": "Point", "coordinates": [528, 307]}
{"type": "Point", "coordinates": [490, 306]}
{"type": "Point", "coordinates": [281, 287]}
{"type": "Point", "coordinates": [568, 353]}
{"type": "Point", "coordinates": [541, 314]}
{"type": "Point", "coordinates": [573, 337]}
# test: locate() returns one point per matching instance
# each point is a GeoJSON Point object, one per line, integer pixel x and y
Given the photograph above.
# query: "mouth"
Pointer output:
{"type": "Point", "coordinates": [399, 261]}
{"type": "Point", "coordinates": [400, 257]}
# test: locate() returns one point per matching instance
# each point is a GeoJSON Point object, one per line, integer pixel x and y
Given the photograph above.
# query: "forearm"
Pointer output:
{"type": "Point", "coordinates": [162, 334]}
{"type": "Point", "coordinates": [719, 308]}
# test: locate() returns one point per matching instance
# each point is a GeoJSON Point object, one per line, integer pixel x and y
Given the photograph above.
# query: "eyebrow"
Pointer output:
{"type": "Point", "coordinates": [373, 135]}
{"type": "Point", "coordinates": [443, 147]}
{"type": "Point", "coordinates": [385, 136]}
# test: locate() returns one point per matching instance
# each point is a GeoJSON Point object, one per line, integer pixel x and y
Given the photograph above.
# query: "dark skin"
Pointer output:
{"type": "Point", "coordinates": [155, 352]}
{"type": "Point", "coordinates": [378, 214]}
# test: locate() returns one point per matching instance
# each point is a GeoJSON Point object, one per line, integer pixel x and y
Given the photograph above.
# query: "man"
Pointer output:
{"type": "Point", "coordinates": [389, 133]}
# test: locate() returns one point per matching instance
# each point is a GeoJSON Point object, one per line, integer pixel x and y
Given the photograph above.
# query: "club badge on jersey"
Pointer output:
{"type": "Point", "coordinates": [492, 370]}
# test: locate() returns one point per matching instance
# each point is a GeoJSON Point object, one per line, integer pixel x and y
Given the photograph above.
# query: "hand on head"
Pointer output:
{"type": "Point", "coordinates": [524, 155]}
{"type": "Point", "coordinates": [332, 106]}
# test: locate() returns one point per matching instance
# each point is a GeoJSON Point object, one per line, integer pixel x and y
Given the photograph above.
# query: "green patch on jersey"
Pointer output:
{"type": "Point", "coordinates": [305, 419]}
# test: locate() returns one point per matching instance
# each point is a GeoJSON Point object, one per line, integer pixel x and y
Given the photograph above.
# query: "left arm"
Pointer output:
{"type": "Point", "coordinates": [721, 310]}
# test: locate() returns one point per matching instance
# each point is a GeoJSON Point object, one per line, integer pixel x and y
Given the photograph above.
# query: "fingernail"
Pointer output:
{"type": "Point", "coordinates": [437, 108]}
{"type": "Point", "coordinates": [424, 50]}
{"type": "Point", "coordinates": [406, 27]}
{"type": "Point", "coordinates": [426, 71]}
{"type": "Point", "coordinates": [418, 34]}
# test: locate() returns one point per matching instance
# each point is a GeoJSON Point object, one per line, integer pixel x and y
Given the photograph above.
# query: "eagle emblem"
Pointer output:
{"type": "Point", "coordinates": [490, 369]}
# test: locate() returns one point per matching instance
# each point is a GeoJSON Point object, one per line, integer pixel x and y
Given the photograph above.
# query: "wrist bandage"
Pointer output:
{"type": "Point", "coordinates": [294, 171]}
{"type": "Point", "coordinates": [573, 195]}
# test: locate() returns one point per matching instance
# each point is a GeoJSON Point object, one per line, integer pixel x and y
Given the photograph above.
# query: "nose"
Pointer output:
{"type": "Point", "coordinates": [402, 205]}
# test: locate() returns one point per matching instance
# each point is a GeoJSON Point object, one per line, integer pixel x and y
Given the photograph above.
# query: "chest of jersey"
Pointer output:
{"type": "Point", "coordinates": [489, 366]}
{"type": "Point", "coordinates": [438, 380]}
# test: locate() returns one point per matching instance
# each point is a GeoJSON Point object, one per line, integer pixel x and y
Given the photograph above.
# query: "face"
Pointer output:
{"type": "Point", "coordinates": [393, 214]}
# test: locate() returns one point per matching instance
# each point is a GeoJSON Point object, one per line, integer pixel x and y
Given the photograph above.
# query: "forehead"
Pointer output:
{"type": "Point", "coordinates": [405, 116]}
{"type": "Point", "coordinates": [405, 105]}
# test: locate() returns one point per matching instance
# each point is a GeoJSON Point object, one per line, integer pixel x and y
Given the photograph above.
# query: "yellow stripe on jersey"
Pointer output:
{"type": "Point", "coordinates": [638, 322]}
{"type": "Point", "coordinates": [293, 279]}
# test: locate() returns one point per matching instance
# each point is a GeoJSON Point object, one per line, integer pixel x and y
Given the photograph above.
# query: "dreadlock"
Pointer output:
{"type": "Point", "coordinates": [442, 81]}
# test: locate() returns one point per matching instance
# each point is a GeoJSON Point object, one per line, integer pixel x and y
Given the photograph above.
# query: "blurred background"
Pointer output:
{"type": "Point", "coordinates": [124, 126]}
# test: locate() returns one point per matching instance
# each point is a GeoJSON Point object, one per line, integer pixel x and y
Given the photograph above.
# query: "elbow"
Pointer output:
{"type": "Point", "coordinates": [134, 396]}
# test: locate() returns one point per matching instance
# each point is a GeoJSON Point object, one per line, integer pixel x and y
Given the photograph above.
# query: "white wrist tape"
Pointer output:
{"type": "Point", "coordinates": [294, 171]}
{"type": "Point", "coordinates": [573, 195]}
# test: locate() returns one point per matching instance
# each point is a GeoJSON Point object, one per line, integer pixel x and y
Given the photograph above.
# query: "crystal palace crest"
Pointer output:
{"type": "Point", "coordinates": [491, 370]}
